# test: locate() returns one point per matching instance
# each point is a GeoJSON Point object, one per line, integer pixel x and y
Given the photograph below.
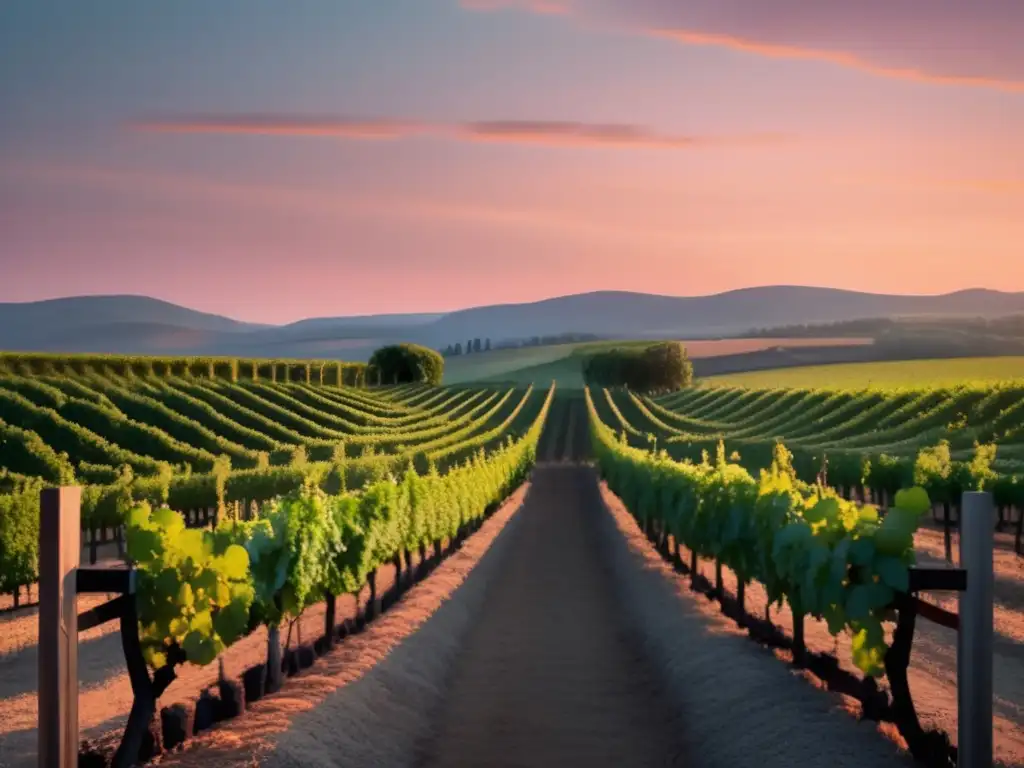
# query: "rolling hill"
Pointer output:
{"type": "Point", "coordinates": [141, 325]}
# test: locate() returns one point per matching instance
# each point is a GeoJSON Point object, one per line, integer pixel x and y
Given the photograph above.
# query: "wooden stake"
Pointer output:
{"type": "Point", "coordinates": [59, 551]}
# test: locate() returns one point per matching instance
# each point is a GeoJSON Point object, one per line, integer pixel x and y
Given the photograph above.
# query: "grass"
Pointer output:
{"type": "Point", "coordinates": [503, 364]}
{"type": "Point", "coordinates": [563, 362]}
{"type": "Point", "coordinates": [529, 365]}
{"type": "Point", "coordinates": [908, 373]}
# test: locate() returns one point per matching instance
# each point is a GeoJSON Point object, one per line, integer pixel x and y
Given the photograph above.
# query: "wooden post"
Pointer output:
{"type": "Point", "coordinates": [947, 533]}
{"type": "Point", "coordinates": [975, 638]}
{"type": "Point", "coordinates": [60, 535]}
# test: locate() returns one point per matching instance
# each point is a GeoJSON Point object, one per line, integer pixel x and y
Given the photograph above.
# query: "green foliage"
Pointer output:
{"type": "Point", "coordinates": [656, 368]}
{"type": "Point", "coordinates": [293, 551]}
{"type": "Point", "coordinates": [225, 368]}
{"type": "Point", "coordinates": [194, 587]}
{"type": "Point", "coordinates": [19, 535]}
{"type": "Point", "coordinates": [199, 591]}
{"type": "Point", "coordinates": [405, 364]}
{"type": "Point", "coordinates": [24, 452]}
{"type": "Point", "coordinates": [827, 557]}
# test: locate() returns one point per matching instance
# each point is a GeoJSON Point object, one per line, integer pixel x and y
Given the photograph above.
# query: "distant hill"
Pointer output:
{"type": "Point", "coordinates": [141, 325]}
{"type": "Point", "coordinates": [108, 324]}
{"type": "Point", "coordinates": [622, 314]}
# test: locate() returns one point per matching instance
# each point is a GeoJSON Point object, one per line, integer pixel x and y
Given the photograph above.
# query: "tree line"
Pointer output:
{"type": "Point", "coordinates": [472, 345]}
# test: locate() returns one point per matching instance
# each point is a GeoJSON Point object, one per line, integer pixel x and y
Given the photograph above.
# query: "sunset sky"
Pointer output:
{"type": "Point", "coordinates": [273, 161]}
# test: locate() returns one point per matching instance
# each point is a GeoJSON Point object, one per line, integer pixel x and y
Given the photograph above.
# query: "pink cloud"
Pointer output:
{"type": "Point", "coordinates": [953, 43]}
{"type": "Point", "coordinates": [543, 132]}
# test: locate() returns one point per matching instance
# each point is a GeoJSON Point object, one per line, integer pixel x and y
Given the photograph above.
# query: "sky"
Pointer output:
{"type": "Point", "coordinates": [274, 161]}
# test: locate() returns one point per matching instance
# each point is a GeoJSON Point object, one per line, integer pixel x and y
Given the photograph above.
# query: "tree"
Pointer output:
{"type": "Point", "coordinates": [407, 364]}
{"type": "Point", "coordinates": [657, 368]}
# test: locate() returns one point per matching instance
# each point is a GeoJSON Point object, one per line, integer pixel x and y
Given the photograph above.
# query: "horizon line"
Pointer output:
{"type": "Point", "coordinates": [444, 312]}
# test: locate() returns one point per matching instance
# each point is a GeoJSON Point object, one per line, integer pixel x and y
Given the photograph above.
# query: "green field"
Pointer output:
{"type": "Point", "coordinates": [909, 373]}
{"type": "Point", "coordinates": [505, 364]}
{"type": "Point", "coordinates": [563, 362]}
{"type": "Point", "coordinates": [528, 365]}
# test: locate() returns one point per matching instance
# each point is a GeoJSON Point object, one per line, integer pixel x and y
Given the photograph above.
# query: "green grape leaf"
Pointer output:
{"type": "Point", "coordinates": [858, 603]}
{"type": "Point", "coordinates": [198, 649]}
{"type": "Point", "coordinates": [914, 500]}
{"type": "Point", "coordinates": [868, 514]}
{"type": "Point", "coordinates": [191, 544]}
{"type": "Point", "coordinates": [144, 546]}
{"type": "Point", "coordinates": [154, 657]}
{"type": "Point", "coordinates": [870, 660]}
{"type": "Point", "coordinates": [170, 521]}
{"type": "Point", "coordinates": [242, 593]}
{"type": "Point", "coordinates": [205, 580]}
{"type": "Point", "coordinates": [879, 595]}
{"type": "Point", "coordinates": [222, 594]}
{"type": "Point", "coordinates": [826, 510]}
{"type": "Point", "coordinates": [178, 628]}
{"type": "Point", "coordinates": [893, 572]}
{"type": "Point", "coordinates": [835, 617]}
{"type": "Point", "coordinates": [167, 582]}
{"type": "Point", "coordinates": [837, 570]}
{"type": "Point", "coordinates": [896, 533]}
{"type": "Point", "coordinates": [138, 517]}
{"type": "Point", "coordinates": [185, 596]}
{"type": "Point", "coordinates": [202, 622]}
{"type": "Point", "coordinates": [862, 551]}
{"type": "Point", "coordinates": [235, 563]}
{"type": "Point", "coordinates": [231, 621]}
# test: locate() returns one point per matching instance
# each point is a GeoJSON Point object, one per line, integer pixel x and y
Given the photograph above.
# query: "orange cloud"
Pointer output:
{"type": "Point", "coordinates": [833, 57]}
{"type": "Point", "coordinates": [974, 44]}
{"type": "Point", "coordinates": [546, 133]}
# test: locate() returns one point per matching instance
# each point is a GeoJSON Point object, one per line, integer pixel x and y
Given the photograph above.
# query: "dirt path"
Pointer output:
{"type": "Point", "coordinates": [549, 674]}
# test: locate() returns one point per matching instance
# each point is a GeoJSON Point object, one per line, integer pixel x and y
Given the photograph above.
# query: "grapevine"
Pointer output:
{"type": "Point", "coordinates": [829, 558]}
{"type": "Point", "coordinates": [194, 590]}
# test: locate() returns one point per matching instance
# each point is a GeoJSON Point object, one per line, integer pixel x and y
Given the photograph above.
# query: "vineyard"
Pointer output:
{"type": "Point", "coordinates": [401, 543]}
{"type": "Point", "coordinates": [204, 444]}
{"type": "Point", "coordinates": [946, 439]}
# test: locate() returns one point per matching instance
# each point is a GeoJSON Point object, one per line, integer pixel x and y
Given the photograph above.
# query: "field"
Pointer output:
{"type": "Point", "coordinates": [563, 362]}
{"type": "Point", "coordinates": [868, 436]}
{"type": "Point", "coordinates": [911, 373]}
{"type": "Point", "coordinates": [504, 580]}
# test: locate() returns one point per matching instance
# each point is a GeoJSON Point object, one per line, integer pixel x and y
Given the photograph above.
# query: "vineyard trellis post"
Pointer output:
{"type": "Point", "coordinates": [59, 552]}
{"type": "Point", "coordinates": [975, 638]}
